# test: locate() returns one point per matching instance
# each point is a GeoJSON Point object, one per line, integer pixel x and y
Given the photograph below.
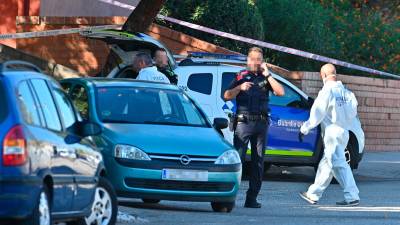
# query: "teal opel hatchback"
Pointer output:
{"type": "Point", "coordinates": [157, 144]}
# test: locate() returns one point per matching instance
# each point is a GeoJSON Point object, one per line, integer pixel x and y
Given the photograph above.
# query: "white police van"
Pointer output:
{"type": "Point", "coordinates": [206, 80]}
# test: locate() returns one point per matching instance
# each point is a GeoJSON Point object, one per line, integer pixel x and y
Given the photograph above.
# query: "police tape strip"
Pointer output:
{"type": "Point", "coordinates": [46, 33]}
{"type": "Point", "coordinates": [277, 47]}
{"type": "Point", "coordinates": [207, 30]}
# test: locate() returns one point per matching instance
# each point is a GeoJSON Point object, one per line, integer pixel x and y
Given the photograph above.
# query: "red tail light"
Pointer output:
{"type": "Point", "coordinates": [14, 147]}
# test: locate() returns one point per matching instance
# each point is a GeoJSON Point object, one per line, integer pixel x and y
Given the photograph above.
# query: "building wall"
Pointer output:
{"type": "Point", "coordinates": [9, 12]}
{"type": "Point", "coordinates": [379, 106]}
{"type": "Point", "coordinates": [99, 8]}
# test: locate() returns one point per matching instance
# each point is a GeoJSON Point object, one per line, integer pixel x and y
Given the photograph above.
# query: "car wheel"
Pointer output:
{"type": "Point", "coordinates": [351, 152]}
{"type": "Point", "coordinates": [150, 201]}
{"type": "Point", "coordinates": [267, 166]}
{"type": "Point", "coordinates": [224, 207]}
{"type": "Point", "coordinates": [104, 208]}
{"type": "Point", "coordinates": [42, 213]}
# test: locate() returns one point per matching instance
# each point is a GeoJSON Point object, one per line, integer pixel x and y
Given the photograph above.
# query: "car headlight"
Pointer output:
{"type": "Point", "coordinates": [130, 152]}
{"type": "Point", "coordinates": [228, 157]}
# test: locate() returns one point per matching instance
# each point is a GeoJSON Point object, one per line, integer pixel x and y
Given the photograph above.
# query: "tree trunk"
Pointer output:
{"type": "Point", "coordinates": [143, 15]}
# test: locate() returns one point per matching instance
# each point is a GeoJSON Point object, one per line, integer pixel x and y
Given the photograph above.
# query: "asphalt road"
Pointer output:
{"type": "Point", "coordinates": [378, 179]}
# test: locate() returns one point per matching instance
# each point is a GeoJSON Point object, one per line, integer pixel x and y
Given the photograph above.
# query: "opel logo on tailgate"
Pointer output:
{"type": "Point", "coordinates": [185, 160]}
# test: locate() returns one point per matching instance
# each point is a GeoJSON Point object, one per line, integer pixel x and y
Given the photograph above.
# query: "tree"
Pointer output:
{"type": "Point", "coordinates": [143, 15]}
{"type": "Point", "coordinates": [138, 21]}
{"type": "Point", "coordinates": [234, 16]}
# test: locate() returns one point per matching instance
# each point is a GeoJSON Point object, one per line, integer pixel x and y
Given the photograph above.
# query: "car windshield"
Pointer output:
{"type": "Point", "coordinates": [147, 106]}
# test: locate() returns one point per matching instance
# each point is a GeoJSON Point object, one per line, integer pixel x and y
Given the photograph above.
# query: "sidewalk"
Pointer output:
{"type": "Point", "coordinates": [379, 166]}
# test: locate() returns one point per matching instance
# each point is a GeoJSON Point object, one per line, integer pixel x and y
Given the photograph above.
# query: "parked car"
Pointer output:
{"type": "Point", "coordinates": [206, 80]}
{"type": "Point", "coordinates": [124, 46]}
{"type": "Point", "coordinates": [49, 169]}
{"type": "Point", "coordinates": [157, 143]}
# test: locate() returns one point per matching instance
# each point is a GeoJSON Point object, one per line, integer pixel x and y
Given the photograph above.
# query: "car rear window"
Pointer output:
{"type": "Point", "coordinates": [3, 103]}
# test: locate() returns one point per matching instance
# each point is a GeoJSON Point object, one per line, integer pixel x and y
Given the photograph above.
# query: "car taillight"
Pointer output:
{"type": "Point", "coordinates": [14, 147]}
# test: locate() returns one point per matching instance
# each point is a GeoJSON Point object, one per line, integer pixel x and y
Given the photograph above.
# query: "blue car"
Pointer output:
{"type": "Point", "coordinates": [157, 144]}
{"type": "Point", "coordinates": [49, 169]}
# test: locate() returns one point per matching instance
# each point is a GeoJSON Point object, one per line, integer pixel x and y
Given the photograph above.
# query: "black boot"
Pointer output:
{"type": "Point", "coordinates": [252, 203]}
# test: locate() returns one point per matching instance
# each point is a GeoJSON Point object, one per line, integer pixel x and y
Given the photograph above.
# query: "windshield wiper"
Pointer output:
{"type": "Point", "coordinates": [166, 123]}
{"type": "Point", "coordinates": [117, 121]}
{"type": "Point", "coordinates": [173, 124]}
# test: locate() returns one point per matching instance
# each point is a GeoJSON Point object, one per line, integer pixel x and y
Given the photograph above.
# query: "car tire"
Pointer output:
{"type": "Point", "coordinates": [104, 207]}
{"type": "Point", "coordinates": [150, 201]}
{"type": "Point", "coordinates": [222, 207]}
{"type": "Point", "coordinates": [351, 152]}
{"type": "Point", "coordinates": [267, 166]}
{"type": "Point", "coordinates": [41, 215]}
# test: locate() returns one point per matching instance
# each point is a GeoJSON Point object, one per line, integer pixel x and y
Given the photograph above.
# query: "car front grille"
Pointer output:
{"type": "Point", "coordinates": [180, 185]}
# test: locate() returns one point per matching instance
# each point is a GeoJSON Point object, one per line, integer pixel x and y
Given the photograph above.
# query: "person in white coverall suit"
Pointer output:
{"type": "Point", "coordinates": [143, 65]}
{"type": "Point", "coordinates": [334, 108]}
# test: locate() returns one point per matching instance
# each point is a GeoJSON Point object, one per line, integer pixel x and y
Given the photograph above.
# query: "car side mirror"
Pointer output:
{"type": "Point", "coordinates": [81, 130]}
{"type": "Point", "coordinates": [89, 129]}
{"type": "Point", "coordinates": [220, 123]}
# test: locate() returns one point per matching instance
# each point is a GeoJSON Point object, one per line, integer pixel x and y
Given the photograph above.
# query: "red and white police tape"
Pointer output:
{"type": "Point", "coordinates": [35, 34]}
{"type": "Point", "coordinates": [211, 31]}
{"type": "Point", "coordinates": [277, 47]}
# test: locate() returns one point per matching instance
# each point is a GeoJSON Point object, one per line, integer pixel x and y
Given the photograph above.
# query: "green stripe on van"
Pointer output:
{"type": "Point", "coordinates": [285, 152]}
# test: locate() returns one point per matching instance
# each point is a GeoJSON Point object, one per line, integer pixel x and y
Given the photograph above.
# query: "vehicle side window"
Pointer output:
{"type": "Point", "coordinates": [65, 106]}
{"type": "Point", "coordinates": [127, 72]}
{"type": "Point", "coordinates": [27, 104]}
{"type": "Point", "coordinates": [201, 82]}
{"type": "Point", "coordinates": [227, 79]}
{"type": "Point", "coordinates": [80, 99]}
{"type": "Point", "coordinates": [47, 104]}
{"type": "Point", "coordinates": [66, 87]}
{"type": "Point", "coordinates": [290, 99]}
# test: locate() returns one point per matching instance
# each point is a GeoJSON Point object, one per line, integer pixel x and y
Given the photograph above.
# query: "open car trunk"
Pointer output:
{"type": "Point", "coordinates": [124, 46]}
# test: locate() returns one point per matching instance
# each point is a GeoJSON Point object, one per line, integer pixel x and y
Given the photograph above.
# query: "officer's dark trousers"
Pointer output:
{"type": "Point", "coordinates": [255, 132]}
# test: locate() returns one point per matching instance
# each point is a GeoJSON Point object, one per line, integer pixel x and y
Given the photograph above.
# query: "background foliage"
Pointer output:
{"type": "Point", "coordinates": [363, 32]}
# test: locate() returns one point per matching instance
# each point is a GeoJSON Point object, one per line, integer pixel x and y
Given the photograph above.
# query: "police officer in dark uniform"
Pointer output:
{"type": "Point", "coordinates": [161, 61]}
{"type": "Point", "coordinates": [251, 89]}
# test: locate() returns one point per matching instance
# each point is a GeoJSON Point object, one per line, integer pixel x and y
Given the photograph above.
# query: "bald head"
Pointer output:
{"type": "Point", "coordinates": [328, 71]}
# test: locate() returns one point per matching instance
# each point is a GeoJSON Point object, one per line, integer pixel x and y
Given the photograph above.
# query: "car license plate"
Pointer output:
{"type": "Point", "coordinates": [185, 175]}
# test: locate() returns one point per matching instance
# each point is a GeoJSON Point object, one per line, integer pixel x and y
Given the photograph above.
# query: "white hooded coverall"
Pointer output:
{"type": "Point", "coordinates": [335, 107]}
{"type": "Point", "coordinates": [152, 74]}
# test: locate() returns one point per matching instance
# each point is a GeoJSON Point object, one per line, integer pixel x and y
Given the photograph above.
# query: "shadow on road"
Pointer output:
{"type": "Point", "coordinates": [160, 206]}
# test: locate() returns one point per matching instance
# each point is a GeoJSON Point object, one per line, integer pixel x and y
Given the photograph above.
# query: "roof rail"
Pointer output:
{"type": "Point", "coordinates": [18, 65]}
{"type": "Point", "coordinates": [191, 62]}
{"type": "Point", "coordinates": [216, 56]}
{"type": "Point", "coordinates": [209, 62]}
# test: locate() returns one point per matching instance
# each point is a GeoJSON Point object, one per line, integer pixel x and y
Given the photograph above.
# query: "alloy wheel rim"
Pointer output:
{"type": "Point", "coordinates": [101, 208]}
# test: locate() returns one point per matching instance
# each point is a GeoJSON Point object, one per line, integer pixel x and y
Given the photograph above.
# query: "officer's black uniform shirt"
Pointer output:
{"type": "Point", "coordinates": [172, 77]}
{"type": "Point", "coordinates": [254, 100]}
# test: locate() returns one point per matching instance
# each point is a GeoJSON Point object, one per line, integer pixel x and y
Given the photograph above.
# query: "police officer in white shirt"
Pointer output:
{"type": "Point", "coordinates": [143, 64]}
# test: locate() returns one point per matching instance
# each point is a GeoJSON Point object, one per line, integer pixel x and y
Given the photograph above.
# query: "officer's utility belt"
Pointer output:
{"type": "Point", "coordinates": [241, 117]}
